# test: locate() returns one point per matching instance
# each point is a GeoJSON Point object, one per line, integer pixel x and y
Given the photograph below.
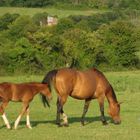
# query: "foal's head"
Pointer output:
{"type": "Point", "coordinates": [114, 112]}
{"type": "Point", "coordinates": [46, 95]}
{"type": "Point", "coordinates": [46, 92]}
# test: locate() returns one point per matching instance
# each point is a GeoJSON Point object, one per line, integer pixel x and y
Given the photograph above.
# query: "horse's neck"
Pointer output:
{"type": "Point", "coordinates": [37, 89]}
{"type": "Point", "coordinates": [111, 97]}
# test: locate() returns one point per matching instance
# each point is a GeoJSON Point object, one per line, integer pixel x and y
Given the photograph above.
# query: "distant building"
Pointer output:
{"type": "Point", "coordinates": [51, 21]}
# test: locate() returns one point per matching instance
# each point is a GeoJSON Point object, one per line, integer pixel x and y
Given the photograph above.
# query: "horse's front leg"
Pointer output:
{"type": "Point", "coordinates": [101, 104]}
{"type": "Point", "coordinates": [58, 112]}
{"type": "Point", "coordinates": [25, 106]}
{"type": "Point", "coordinates": [86, 106]}
{"type": "Point", "coordinates": [2, 107]}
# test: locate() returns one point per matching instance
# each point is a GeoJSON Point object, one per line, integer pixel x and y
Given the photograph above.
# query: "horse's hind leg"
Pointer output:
{"type": "Point", "coordinates": [86, 106]}
{"type": "Point", "coordinates": [28, 119]}
{"type": "Point", "coordinates": [2, 107]}
{"type": "Point", "coordinates": [25, 106]}
{"type": "Point", "coordinates": [101, 104]}
{"type": "Point", "coordinates": [60, 103]}
{"type": "Point", "coordinates": [65, 118]}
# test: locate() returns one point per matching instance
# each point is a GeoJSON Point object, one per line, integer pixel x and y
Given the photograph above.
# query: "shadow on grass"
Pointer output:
{"type": "Point", "coordinates": [88, 120]}
{"type": "Point", "coordinates": [71, 120]}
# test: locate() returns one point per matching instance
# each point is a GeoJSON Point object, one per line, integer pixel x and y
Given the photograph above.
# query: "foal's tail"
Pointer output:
{"type": "Point", "coordinates": [47, 80]}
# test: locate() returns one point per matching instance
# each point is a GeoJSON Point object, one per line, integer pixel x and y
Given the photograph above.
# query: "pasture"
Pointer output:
{"type": "Point", "coordinates": [52, 11]}
{"type": "Point", "coordinates": [127, 88]}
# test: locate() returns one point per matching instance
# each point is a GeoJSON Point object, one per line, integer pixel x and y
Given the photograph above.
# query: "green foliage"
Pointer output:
{"type": "Point", "coordinates": [119, 43]}
{"type": "Point", "coordinates": [99, 4]}
{"type": "Point", "coordinates": [102, 40]}
{"type": "Point", "coordinates": [93, 22]}
{"type": "Point", "coordinates": [7, 19]}
{"type": "Point", "coordinates": [21, 27]}
{"type": "Point", "coordinates": [40, 18]}
{"type": "Point", "coordinates": [64, 24]}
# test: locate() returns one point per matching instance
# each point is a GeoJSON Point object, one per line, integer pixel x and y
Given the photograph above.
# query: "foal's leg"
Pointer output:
{"type": "Point", "coordinates": [2, 107]}
{"type": "Point", "coordinates": [86, 106]}
{"type": "Point", "coordinates": [28, 119]}
{"type": "Point", "coordinates": [101, 104]}
{"type": "Point", "coordinates": [25, 106]}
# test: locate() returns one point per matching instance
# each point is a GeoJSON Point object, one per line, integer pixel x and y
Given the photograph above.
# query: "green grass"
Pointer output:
{"type": "Point", "coordinates": [51, 11]}
{"type": "Point", "coordinates": [127, 87]}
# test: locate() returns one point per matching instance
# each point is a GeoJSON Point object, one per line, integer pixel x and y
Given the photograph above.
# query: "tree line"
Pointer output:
{"type": "Point", "coordinates": [131, 4]}
{"type": "Point", "coordinates": [108, 41]}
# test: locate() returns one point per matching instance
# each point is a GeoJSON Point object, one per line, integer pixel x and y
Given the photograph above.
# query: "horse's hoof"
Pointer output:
{"type": "Point", "coordinates": [82, 123]}
{"type": "Point", "coordinates": [60, 125]}
{"type": "Point", "coordinates": [57, 123]}
{"type": "Point", "coordinates": [66, 124]}
{"type": "Point", "coordinates": [105, 123]}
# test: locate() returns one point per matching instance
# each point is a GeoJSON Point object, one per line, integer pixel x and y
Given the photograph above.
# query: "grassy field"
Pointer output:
{"type": "Point", "coordinates": [127, 87]}
{"type": "Point", "coordinates": [51, 11]}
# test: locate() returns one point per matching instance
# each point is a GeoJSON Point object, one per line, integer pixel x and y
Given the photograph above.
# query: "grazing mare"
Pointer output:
{"type": "Point", "coordinates": [83, 85]}
{"type": "Point", "coordinates": [23, 92]}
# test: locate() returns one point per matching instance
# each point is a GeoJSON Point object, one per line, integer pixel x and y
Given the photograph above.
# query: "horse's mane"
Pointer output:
{"type": "Point", "coordinates": [109, 85]}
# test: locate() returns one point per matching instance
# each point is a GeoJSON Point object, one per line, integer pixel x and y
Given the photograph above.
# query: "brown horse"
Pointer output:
{"type": "Point", "coordinates": [83, 85]}
{"type": "Point", "coordinates": [23, 92]}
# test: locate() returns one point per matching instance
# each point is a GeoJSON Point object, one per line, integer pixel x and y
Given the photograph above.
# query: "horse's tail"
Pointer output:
{"type": "Point", "coordinates": [47, 80]}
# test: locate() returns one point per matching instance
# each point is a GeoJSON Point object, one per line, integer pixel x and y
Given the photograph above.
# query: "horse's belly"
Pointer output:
{"type": "Point", "coordinates": [82, 93]}
{"type": "Point", "coordinates": [85, 87]}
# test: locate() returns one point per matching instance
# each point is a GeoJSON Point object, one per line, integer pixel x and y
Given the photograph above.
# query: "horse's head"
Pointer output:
{"type": "Point", "coordinates": [114, 112]}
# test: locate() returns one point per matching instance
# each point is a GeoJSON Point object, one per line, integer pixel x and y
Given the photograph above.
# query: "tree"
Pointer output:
{"type": "Point", "coordinates": [119, 43]}
{"type": "Point", "coordinates": [21, 27]}
{"type": "Point", "coordinates": [6, 20]}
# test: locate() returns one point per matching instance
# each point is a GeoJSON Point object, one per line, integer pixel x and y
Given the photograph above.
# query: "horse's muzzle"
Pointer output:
{"type": "Point", "coordinates": [117, 122]}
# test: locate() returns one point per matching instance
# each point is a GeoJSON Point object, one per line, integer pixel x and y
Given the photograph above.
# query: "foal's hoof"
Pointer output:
{"type": "Point", "coordinates": [9, 128]}
{"type": "Point", "coordinates": [15, 128]}
{"type": "Point", "coordinates": [28, 126]}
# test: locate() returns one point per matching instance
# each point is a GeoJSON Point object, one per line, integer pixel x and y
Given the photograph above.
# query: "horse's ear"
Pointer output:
{"type": "Point", "coordinates": [120, 103]}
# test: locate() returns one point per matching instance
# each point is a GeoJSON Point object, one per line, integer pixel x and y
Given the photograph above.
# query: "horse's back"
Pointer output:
{"type": "Point", "coordinates": [5, 90]}
{"type": "Point", "coordinates": [81, 84]}
{"type": "Point", "coordinates": [15, 91]}
{"type": "Point", "coordinates": [84, 85]}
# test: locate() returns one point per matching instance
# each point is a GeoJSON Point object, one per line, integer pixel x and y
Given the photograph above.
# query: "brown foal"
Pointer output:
{"type": "Point", "coordinates": [83, 85]}
{"type": "Point", "coordinates": [23, 92]}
